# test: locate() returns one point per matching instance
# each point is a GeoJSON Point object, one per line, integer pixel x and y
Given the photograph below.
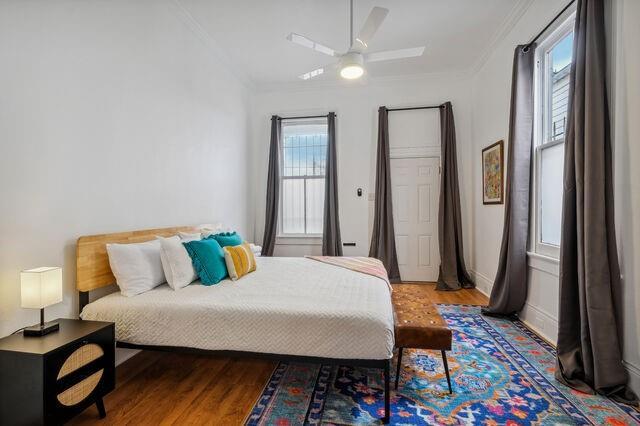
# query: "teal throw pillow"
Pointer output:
{"type": "Point", "coordinates": [226, 239]}
{"type": "Point", "coordinates": [208, 260]}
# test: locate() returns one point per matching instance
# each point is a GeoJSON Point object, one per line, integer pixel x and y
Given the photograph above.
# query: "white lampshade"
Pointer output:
{"type": "Point", "coordinates": [351, 65]}
{"type": "Point", "coordinates": [352, 72]}
{"type": "Point", "coordinates": [41, 287]}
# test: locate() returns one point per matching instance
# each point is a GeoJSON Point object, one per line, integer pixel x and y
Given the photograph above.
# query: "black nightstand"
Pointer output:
{"type": "Point", "coordinates": [50, 379]}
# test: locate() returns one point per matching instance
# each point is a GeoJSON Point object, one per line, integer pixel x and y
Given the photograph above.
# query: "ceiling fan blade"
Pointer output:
{"type": "Point", "coordinates": [388, 55]}
{"type": "Point", "coordinates": [371, 25]}
{"type": "Point", "coordinates": [307, 42]}
{"type": "Point", "coordinates": [311, 74]}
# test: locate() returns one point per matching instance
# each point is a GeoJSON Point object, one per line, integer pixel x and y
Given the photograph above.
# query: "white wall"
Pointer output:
{"type": "Point", "coordinates": [356, 106]}
{"type": "Point", "coordinates": [625, 101]}
{"type": "Point", "coordinates": [491, 95]}
{"type": "Point", "coordinates": [491, 91]}
{"type": "Point", "coordinates": [114, 116]}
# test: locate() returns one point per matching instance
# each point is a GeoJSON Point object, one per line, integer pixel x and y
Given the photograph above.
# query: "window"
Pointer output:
{"type": "Point", "coordinates": [303, 154]}
{"type": "Point", "coordinates": [552, 95]}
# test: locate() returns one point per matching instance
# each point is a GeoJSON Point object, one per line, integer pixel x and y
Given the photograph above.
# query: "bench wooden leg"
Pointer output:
{"type": "Point", "coordinates": [446, 369]}
{"type": "Point", "coordinates": [387, 393]}
{"type": "Point", "coordinates": [399, 366]}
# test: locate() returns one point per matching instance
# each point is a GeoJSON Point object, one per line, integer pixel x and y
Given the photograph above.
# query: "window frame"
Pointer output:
{"type": "Point", "coordinates": [543, 115]}
{"type": "Point", "coordinates": [281, 234]}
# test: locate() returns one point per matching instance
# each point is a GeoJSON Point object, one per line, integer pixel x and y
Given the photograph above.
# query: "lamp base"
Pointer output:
{"type": "Point", "coordinates": [39, 330]}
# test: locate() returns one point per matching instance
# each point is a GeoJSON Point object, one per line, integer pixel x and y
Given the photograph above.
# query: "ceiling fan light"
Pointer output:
{"type": "Point", "coordinates": [352, 72]}
{"type": "Point", "coordinates": [351, 66]}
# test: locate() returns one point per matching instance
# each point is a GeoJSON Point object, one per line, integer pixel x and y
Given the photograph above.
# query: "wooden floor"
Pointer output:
{"type": "Point", "coordinates": [166, 389]}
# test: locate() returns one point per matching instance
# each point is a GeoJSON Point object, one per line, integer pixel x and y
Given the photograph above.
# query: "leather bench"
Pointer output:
{"type": "Point", "coordinates": [418, 325]}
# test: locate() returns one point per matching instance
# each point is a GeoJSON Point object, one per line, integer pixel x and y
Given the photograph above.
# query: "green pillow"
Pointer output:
{"type": "Point", "coordinates": [208, 260]}
{"type": "Point", "coordinates": [226, 239]}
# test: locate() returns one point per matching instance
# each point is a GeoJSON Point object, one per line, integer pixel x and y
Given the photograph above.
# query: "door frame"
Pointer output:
{"type": "Point", "coordinates": [421, 152]}
{"type": "Point", "coordinates": [416, 152]}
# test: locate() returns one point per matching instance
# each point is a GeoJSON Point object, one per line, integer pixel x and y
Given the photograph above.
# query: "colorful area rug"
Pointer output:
{"type": "Point", "coordinates": [502, 374]}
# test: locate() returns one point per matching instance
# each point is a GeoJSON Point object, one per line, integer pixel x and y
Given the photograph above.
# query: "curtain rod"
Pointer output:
{"type": "Point", "coordinates": [528, 46]}
{"type": "Point", "coordinates": [305, 117]}
{"type": "Point", "coordinates": [412, 108]}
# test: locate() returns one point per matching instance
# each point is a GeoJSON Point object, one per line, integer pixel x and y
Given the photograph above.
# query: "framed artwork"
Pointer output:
{"type": "Point", "coordinates": [493, 174]}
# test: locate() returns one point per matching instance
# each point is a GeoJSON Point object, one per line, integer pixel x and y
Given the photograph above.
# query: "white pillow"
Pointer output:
{"type": "Point", "coordinates": [176, 261]}
{"type": "Point", "coordinates": [137, 267]}
{"type": "Point", "coordinates": [186, 236]}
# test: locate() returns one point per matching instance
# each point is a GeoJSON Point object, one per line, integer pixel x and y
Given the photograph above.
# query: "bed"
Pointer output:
{"type": "Point", "coordinates": [295, 309]}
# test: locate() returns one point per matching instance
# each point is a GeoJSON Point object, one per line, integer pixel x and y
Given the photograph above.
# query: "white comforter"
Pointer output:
{"type": "Point", "coordinates": [293, 306]}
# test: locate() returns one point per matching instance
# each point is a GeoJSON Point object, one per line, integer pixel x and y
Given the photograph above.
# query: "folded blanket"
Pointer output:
{"type": "Point", "coordinates": [365, 265]}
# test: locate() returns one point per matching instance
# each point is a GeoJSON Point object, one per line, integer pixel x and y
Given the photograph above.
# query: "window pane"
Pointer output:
{"type": "Point", "coordinates": [304, 154]}
{"type": "Point", "coordinates": [287, 163]}
{"type": "Point", "coordinates": [305, 149]}
{"type": "Point", "coordinates": [551, 184]}
{"type": "Point", "coordinates": [293, 206]}
{"type": "Point", "coordinates": [560, 58]}
{"type": "Point", "coordinates": [315, 205]}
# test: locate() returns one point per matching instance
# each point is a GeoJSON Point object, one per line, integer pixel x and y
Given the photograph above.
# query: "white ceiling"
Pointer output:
{"type": "Point", "coordinates": [252, 33]}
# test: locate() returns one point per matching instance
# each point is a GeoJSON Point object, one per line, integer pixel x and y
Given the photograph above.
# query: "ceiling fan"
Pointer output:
{"type": "Point", "coordinates": [351, 63]}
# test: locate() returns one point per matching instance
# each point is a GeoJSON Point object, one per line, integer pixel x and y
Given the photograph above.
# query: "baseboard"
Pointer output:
{"type": "Point", "coordinates": [540, 321]}
{"type": "Point", "coordinates": [483, 283]}
{"type": "Point", "coordinates": [634, 375]}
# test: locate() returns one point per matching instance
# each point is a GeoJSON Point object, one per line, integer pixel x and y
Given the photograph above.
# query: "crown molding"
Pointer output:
{"type": "Point", "coordinates": [517, 11]}
{"type": "Point", "coordinates": [182, 13]}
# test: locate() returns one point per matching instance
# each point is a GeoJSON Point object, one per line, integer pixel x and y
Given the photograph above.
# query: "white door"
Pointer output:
{"type": "Point", "coordinates": [415, 185]}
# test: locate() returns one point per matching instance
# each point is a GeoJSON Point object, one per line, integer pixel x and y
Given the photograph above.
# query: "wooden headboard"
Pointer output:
{"type": "Point", "coordinates": [92, 262]}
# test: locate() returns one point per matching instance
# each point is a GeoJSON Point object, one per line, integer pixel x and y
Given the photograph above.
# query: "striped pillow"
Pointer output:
{"type": "Point", "coordinates": [240, 260]}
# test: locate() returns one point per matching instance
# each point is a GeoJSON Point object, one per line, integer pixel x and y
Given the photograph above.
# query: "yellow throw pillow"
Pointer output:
{"type": "Point", "coordinates": [240, 260]}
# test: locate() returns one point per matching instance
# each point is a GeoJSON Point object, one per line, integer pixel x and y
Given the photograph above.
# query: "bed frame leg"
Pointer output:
{"type": "Point", "coordinates": [398, 367]}
{"type": "Point", "coordinates": [387, 393]}
{"type": "Point", "coordinates": [446, 370]}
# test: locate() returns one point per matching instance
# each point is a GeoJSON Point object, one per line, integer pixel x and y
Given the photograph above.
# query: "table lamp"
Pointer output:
{"type": "Point", "coordinates": [41, 287]}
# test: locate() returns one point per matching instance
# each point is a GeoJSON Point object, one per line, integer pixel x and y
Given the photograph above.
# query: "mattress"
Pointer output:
{"type": "Point", "coordinates": [288, 306]}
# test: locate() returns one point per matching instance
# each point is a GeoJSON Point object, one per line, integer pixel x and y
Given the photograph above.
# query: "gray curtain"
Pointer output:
{"type": "Point", "coordinates": [589, 346]}
{"type": "Point", "coordinates": [331, 242]}
{"type": "Point", "coordinates": [453, 273]}
{"type": "Point", "coordinates": [383, 240]}
{"type": "Point", "coordinates": [273, 189]}
{"type": "Point", "coordinates": [509, 290]}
